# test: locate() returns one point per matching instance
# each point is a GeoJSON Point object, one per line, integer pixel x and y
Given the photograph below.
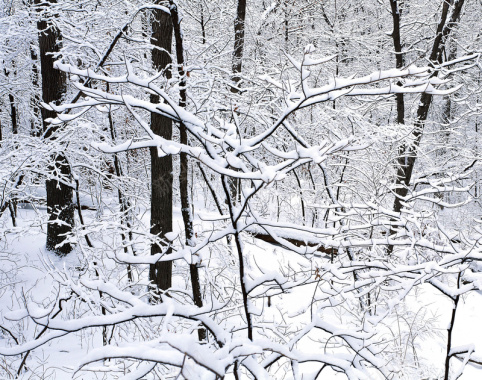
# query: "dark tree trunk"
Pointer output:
{"type": "Point", "coordinates": [400, 100]}
{"type": "Point", "coordinates": [396, 15]}
{"type": "Point", "coordinates": [35, 101]}
{"type": "Point", "coordinates": [124, 202]}
{"type": "Point", "coordinates": [303, 208]}
{"type": "Point", "coordinates": [203, 26]}
{"type": "Point", "coordinates": [408, 153]}
{"type": "Point", "coordinates": [450, 329]}
{"type": "Point", "coordinates": [286, 26]}
{"type": "Point", "coordinates": [184, 170]}
{"type": "Point", "coordinates": [13, 114]}
{"type": "Point", "coordinates": [60, 206]}
{"type": "Point", "coordinates": [238, 44]}
{"type": "Point", "coordinates": [239, 31]}
{"type": "Point", "coordinates": [13, 106]}
{"type": "Point", "coordinates": [447, 107]}
{"type": "Point", "coordinates": [12, 205]}
{"type": "Point", "coordinates": [160, 274]}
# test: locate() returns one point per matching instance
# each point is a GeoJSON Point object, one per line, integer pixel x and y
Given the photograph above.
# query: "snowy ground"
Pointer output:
{"type": "Point", "coordinates": [25, 267]}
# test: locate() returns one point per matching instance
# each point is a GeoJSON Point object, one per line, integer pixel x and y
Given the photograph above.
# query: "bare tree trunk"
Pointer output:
{"type": "Point", "coordinates": [12, 205]}
{"type": "Point", "coordinates": [239, 32]}
{"type": "Point", "coordinates": [239, 248]}
{"type": "Point", "coordinates": [450, 329]}
{"type": "Point", "coordinates": [447, 107]}
{"type": "Point", "coordinates": [13, 114]}
{"type": "Point", "coordinates": [303, 208]}
{"type": "Point", "coordinates": [60, 205]}
{"type": "Point", "coordinates": [160, 274]}
{"type": "Point", "coordinates": [35, 101]}
{"type": "Point", "coordinates": [399, 61]}
{"type": "Point", "coordinates": [124, 203]}
{"type": "Point", "coordinates": [408, 153]}
{"type": "Point", "coordinates": [186, 209]}
{"type": "Point", "coordinates": [203, 25]}
{"type": "Point", "coordinates": [286, 25]}
{"type": "Point", "coordinates": [13, 106]}
{"type": "Point", "coordinates": [396, 15]}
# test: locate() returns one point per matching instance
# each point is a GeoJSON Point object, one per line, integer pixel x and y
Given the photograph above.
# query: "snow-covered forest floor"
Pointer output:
{"type": "Point", "coordinates": [29, 271]}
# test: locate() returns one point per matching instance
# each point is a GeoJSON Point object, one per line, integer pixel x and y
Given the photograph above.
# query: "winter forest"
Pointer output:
{"type": "Point", "coordinates": [240, 189]}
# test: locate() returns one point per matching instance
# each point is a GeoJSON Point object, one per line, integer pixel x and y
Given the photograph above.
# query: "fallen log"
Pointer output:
{"type": "Point", "coordinates": [259, 234]}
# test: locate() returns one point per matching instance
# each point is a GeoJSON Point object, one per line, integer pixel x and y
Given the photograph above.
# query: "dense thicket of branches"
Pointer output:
{"type": "Point", "coordinates": [242, 189]}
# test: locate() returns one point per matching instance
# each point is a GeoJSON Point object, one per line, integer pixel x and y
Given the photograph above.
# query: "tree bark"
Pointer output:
{"type": "Point", "coordinates": [450, 329]}
{"type": "Point", "coordinates": [160, 274]}
{"type": "Point", "coordinates": [124, 203]}
{"type": "Point", "coordinates": [203, 25]}
{"type": "Point", "coordinates": [35, 101]}
{"type": "Point", "coordinates": [447, 107]}
{"type": "Point", "coordinates": [60, 205]}
{"type": "Point", "coordinates": [399, 60]}
{"type": "Point", "coordinates": [184, 170]}
{"type": "Point", "coordinates": [13, 106]}
{"type": "Point", "coordinates": [13, 114]}
{"type": "Point", "coordinates": [408, 152]}
{"type": "Point", "coordinates": [239, 32]}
